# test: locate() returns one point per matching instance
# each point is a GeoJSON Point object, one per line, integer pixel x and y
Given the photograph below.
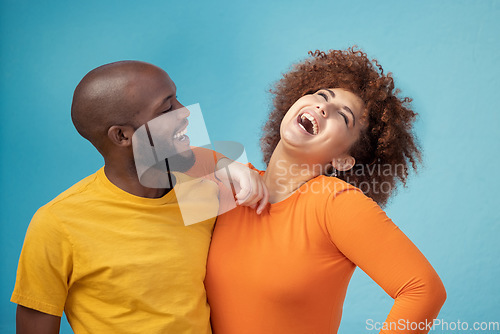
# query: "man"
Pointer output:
{"type": "Point", "coordinates": [113, 251]}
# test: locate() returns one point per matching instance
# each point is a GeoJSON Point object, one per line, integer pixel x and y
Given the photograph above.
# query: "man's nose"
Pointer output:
{"type": "Point", "coordinates": [182, 112]}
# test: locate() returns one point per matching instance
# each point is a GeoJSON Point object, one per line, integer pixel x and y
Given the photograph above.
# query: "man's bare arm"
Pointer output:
{"type": "Point", "coordinates": [29, 321]}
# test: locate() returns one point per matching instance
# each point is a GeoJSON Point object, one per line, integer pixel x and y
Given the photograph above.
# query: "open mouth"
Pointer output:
{"type": "Point", "coordinates": [308, 123]}
{"type": "Point", "coordinates": [181, 134]}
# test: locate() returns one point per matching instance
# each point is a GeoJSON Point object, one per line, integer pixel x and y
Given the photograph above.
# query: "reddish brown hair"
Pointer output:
{"type": "Point", "coordinates": [387, 149]}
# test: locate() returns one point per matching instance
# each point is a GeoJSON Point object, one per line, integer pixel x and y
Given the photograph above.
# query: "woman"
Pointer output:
{"type": "Point", "coordinates": [287, 270]}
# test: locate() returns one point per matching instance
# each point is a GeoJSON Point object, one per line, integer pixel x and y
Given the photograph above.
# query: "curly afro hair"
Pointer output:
{"type": "Point", "coordinates": [386, 149]}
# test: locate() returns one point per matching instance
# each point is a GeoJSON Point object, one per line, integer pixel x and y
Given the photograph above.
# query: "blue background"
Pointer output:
{"type": "Point", "coordinates": [225, 55]}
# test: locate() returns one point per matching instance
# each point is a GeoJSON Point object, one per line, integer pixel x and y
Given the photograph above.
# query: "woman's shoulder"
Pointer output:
{"type": "Point", "coordinates": [324, 192]}
{"type": "Point", "coordinates": [326, 186]}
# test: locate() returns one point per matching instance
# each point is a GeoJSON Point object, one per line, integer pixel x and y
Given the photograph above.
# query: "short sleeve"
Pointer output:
{"type": "Point", "coordinates": [205, 162]}
{"type": "Point", "coordinates": [361, 230]}
{"type": "Point", "coordinates": [45, 266]}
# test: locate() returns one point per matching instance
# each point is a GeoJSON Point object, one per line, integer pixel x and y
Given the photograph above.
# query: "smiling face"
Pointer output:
{"type": "Point", "coordinates": [161, 121]}
{"type": "Point", "coordinates": [322, 127]}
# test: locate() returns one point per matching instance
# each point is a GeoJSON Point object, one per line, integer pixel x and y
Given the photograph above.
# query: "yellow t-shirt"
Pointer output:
{"type": "Point", "coordinates": [118, 263]}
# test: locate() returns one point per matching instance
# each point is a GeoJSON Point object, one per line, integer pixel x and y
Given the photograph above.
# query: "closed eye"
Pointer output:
{"type": "Point", "coordinates": [346, 119]}
{"type": "Point", "coordinates": [169, 108]}
{"type": "Point", "coordinates": [323, 95]}
{"type": "Point", "coordinates": [166, 111]}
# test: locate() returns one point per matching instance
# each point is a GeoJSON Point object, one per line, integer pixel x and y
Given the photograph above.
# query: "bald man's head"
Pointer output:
{"type": "Point", "coordinates": [115, 94]}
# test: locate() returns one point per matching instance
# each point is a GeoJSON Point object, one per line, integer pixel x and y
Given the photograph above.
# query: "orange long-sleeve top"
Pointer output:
{"type": "Point", "coordinates": [287, 270]}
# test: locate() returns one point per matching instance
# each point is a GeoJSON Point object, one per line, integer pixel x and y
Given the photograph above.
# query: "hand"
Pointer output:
{"type": "Point", "coordinates": [248, 184]}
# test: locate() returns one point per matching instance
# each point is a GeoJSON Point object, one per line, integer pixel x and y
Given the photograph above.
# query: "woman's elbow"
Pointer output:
{"type": "Point", "coordinates": [426, 290]}
{"type": "Point", "coordinates": [435, 291]}
{"type": "Point", "coordinates": [440, 292]}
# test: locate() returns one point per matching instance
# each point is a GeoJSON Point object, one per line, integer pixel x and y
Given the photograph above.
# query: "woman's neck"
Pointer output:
{"type": "Point", "coordinates": [285, 174]}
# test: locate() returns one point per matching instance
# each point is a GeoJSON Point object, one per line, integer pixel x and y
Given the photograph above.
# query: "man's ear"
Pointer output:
{"type": "Point", "coordinates": [121, 135]}
{"type": "Point", "coordinates": [344, 164]}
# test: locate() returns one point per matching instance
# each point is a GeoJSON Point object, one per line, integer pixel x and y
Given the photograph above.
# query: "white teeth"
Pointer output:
{"type": "Point", "coordinates": [180, 133]}
{"type": "Point", "coordinates": [312, 120]}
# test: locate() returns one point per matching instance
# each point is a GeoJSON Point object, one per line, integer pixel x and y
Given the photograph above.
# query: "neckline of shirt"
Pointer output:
{"type": "Point", "coordinates": [165, 199]}
{"type": "Point", "coordinates": [278, 206]}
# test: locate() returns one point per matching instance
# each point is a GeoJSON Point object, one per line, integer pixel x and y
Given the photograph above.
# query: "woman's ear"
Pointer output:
{"type": "Point", "coordinates": [121, 135]}
{"type": "Point", "coordinates": [343, 164]}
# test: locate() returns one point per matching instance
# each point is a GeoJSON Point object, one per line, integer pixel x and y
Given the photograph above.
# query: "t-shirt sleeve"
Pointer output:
{"type": "Point", "coordinates": [361, 230]}
{"type": "Point", "coordinates": [45, 266]}
{"type": "Point", "coordinates": [205, 163]}
{"type": "Point", "coordinates": [205, 167]}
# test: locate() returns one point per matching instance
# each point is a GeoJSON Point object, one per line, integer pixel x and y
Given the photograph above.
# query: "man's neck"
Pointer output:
{"type": "Point", "coordinates": [127, 180]}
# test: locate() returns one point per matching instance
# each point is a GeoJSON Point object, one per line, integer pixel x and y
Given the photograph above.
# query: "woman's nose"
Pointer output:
{"type": "Point", "coordinates": [322, 110]}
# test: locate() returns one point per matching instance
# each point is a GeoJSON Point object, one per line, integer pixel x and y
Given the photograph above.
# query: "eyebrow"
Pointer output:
{"type": "Point", "coordinates": [165, 101]}
{"type": "Point", "coordinates": [346, 108]}
{"type": "Point", "coordinates": [330, 91]}
{"type": "Point", "coordinates": [353, 118]}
